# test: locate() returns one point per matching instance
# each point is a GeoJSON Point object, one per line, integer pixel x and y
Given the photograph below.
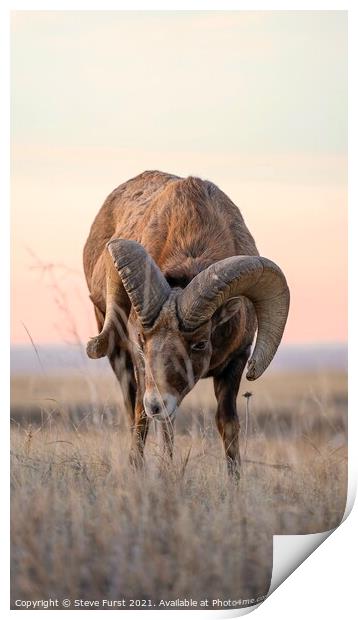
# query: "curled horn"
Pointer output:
{"type": "Point", "coordinates": [144, 284]}
{"type": "Point", "coordinates": [142, 279]}
{"type": "Point", "coordinates": [255, 277]}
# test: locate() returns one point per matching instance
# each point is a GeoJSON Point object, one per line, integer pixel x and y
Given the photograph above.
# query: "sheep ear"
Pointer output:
{"type": "Point", "coordinates": [226, 311]}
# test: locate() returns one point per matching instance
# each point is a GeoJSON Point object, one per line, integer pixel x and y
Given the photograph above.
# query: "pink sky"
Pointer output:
{"type": "Point", "coordinates": [266, 122]}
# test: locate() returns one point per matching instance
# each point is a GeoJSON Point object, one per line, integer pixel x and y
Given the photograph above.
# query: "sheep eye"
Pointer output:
{"type": "Point", "coordinates": [199, 346]}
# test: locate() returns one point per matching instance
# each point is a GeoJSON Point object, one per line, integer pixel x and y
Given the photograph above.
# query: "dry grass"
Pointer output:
{"type": "Point", "coordinates": [84, 525]}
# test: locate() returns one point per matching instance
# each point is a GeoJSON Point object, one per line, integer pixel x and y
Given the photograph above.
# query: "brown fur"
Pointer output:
{"type": "Point", "coordinates": [185, 225]}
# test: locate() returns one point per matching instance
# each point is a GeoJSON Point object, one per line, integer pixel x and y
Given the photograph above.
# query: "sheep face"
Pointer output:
{"type": "Point", "coordinates": [169, 360]}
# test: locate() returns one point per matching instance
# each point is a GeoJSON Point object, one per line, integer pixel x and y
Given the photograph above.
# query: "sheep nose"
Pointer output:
{"type": "Point", "coordinates": [158, 405]}
{"type": "Point", "coordinates": [152, 405]}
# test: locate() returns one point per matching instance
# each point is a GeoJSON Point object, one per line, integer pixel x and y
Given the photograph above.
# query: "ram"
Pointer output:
{"type": "Point", "coordinates": [179, 290]}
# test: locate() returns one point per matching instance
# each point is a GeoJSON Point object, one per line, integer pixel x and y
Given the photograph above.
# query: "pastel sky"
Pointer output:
{"type": "Point", "coordinates": [254, 101]}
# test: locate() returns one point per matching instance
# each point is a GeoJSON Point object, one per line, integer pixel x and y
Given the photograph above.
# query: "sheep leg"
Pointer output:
{"type": "Point", "coordinates": [226, 386]}
{"type": "Point", "coordinates": [139, 434]}
{"type": "Point", "coordinates": [122, 367]}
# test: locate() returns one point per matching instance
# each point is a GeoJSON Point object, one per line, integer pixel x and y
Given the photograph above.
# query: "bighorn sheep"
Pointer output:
{"type": "Point", "coordinates": [179, 289]}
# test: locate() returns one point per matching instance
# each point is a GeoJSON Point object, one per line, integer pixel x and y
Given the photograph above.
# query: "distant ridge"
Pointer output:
{"type": "Point", "coordinates": [61, 359]}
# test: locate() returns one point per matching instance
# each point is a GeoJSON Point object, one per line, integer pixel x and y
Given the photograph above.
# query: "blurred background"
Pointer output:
{"type": "Point", "coordinates": [254, 101]}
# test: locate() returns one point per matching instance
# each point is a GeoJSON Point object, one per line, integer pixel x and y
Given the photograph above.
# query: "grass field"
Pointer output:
{"type": "Point", "coordinates": [86, 526]}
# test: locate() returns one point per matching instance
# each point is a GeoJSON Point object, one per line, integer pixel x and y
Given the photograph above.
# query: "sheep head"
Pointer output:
{"type": "Point", "coordinates": [171, 328]}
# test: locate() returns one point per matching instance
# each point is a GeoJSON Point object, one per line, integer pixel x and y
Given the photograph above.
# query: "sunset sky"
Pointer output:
{"type": "Point", "coordinates": [255, 102]}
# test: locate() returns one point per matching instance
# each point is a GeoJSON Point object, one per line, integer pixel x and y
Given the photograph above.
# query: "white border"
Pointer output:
{"type": "Point", "coordinates": [323, 584]}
